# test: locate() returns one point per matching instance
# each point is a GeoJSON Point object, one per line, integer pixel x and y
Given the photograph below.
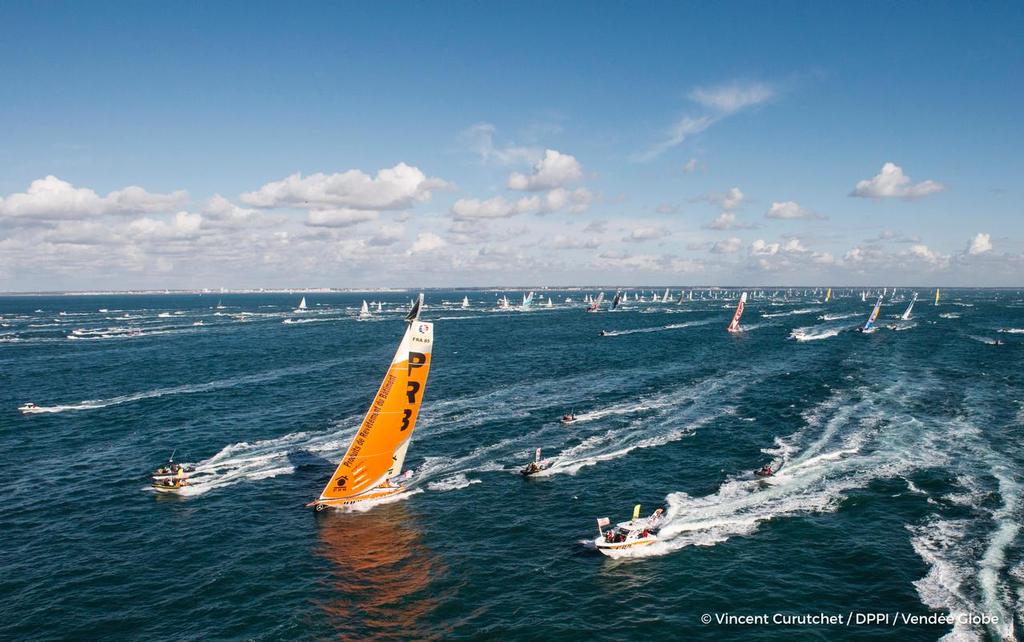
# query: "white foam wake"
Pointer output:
{"type": "Point", "coordinates": [93, 404]}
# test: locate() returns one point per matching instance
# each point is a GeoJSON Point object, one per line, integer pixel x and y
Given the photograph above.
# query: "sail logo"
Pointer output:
{"type": "Point", "coordinates": [423, 328]}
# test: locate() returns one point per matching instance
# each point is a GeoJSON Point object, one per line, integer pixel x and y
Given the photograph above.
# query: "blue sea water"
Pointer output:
{"type": "Point", "coordinates": [900, 492]}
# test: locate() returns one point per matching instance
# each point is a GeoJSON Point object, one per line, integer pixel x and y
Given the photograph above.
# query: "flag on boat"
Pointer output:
{"type": "Point", "coordinates": [603, 521]}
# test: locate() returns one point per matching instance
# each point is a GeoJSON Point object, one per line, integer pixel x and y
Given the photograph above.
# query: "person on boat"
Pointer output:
{"type": "Point", "coordinates": [531, 468]}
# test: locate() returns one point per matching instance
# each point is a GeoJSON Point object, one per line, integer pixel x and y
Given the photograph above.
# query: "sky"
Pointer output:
{"type": "Point", "coordinates": [457, 144]}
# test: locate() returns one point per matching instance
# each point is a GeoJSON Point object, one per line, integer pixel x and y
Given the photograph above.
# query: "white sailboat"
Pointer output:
{"type": "Point", "coordinates": [465, 302]}
{"type": "Point", "coordinates": [302, 305]}
{"type": "Point", "coordinates": [596, 305]}
{"type": "Point", "coordinates": [734, 326]}
{"type": "Point", "coordinates": [665, 297]}
{"type": "Point", "coordinates": [503, 303]}
{"type": "Point", "coordinates": [549, 303]}
{"type": "Point", "coordinates": [906, 315]}
{"type": "Point", "coordinates": [364, 311]}
{"type": "Point", "coordinates": [371, 469]}
{"type": "Point", "coordinates": [527, 302]}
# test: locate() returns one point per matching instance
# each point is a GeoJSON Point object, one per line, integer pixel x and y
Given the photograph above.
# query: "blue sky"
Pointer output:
{"type": "Point", "coordinates": [147, 145]}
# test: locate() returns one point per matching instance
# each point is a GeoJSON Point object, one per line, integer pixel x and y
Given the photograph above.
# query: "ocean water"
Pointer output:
{"type": "Point", "coordinates": [901, 490]}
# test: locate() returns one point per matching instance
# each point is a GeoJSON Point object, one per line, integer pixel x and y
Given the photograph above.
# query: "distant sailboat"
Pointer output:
{"type": "Point", "coordinates": [549, 303]}
{"type": "Point", "coordinates": [380, 306]}
{"type": "Point", "coordinates": [863, 296]}
{"type": "Point", "coordinates": [734, 326]}
{"type": "Point", "coordinates": [364, 312]}
{"type": "Point", "coordinates": [616, 300]}
{"type": "Point", "coordinates": [527, 301]}
{"type": "Point", "coordinates": [936, 296]}
{"type": "Point", "coordinates": [503, 303]}
{"type": "Point", "coordinates": [664, 298]}
{"type": "Point", "coordinates": [828, 295]}
{"type": "Point", "coordinates": [869, 325]}
{"type": "Point", "coordinates": [596, 305]}
{"type": "Point", "coordinates": [372, 467]}
{"type": "Point", "coordinates": [465, 302]}
{"type": "Point", "coordinates": [302, 305]}
{"type": "Point", "coordinates": [906, 315]}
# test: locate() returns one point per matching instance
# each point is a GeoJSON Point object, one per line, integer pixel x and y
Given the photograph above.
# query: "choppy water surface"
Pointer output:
{"type": "Point", "coordinates": [901, 488]}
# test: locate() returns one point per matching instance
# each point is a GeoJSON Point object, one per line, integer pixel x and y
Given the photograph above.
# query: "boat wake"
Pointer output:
{"type": "Point", "coordinates": [837, 317]}
{"type": "Point", "coordinates": [660, 328]}
{"type": "Point", "coordinates": [791, 313]}
{"type": "Point", "coordinates": [817, 333]}
{"type": "Point", "coordinates": [263, 377]}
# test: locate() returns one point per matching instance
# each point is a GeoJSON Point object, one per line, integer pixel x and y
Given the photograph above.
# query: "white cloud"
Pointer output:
{"type": "Point", "coordinates": [732, 199]}
{"type": "Point", "coordinates": [396, 188]}
{"type": "Point", "coordinates": [52, 198]}
{"type": "Point", "coordinates": [761, 248]}
{"type": "Point", "coordinates": [790, 210]}
{"type": "Point", "coordinates": [386, 235]}
{"type": "Point", "coordinates": [497, 207]}
{"type": "Point", "coordinates": [563, 242]}
{"type": "Point", "coordinates": [732, 97]}
{"type": "Point", "coordinates": [727, 221]}
{"type": "Point", "coordinates": [480, 138]}
{"type": "Point", "coordinates": [727, 246]}
{"type": "Point", "coordinates": [427, 242]}
{"type": "Point", "coordinates": [647, 233]}
{"type": "Point", "coordinates": [220, 211]}
{"type": "Point", "coordinates": [554, 170]}
{"type": "Point", "coordinates": [598, 227]}
{"type": "Point", "coordinates": [666, 208]}
{"type": "Point", "coordinates": [577, 201]}
{"type": "Point", "coordinates": [926, 254]}
{"type": "Point", "coordinates": [184, 225]}
{"type": "Point", "coordinates": [342, 217]}
{"type": "Point", "coordinates": [680, 131]}
{"type": "Point", "coordinates": [980, 244]}
{"type": "Point", "coordinates": [891, 182]}
{"type": "Point", "coordinates": [690, 166]}
{"type": "Point", "coordinates": [720, 101]}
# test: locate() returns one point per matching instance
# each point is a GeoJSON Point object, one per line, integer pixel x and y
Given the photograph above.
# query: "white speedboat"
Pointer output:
{"type": "Point", "coordinates": [626, 536]}
{"type": "Point", "coordinates": [29, 408]}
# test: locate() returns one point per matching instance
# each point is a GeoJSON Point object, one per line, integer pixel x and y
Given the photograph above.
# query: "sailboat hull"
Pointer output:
{"type": "Point", "coordinates": [377, 495]}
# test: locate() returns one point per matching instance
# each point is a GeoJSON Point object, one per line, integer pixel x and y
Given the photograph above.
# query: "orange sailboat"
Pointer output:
{"type": "Point", "coordinates": [371, 469]}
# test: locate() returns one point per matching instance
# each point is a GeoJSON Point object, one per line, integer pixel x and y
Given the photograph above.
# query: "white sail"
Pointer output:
{"type": "Point", "coordinates": [596, 305]}
{"type": "Point", "coordinates": [465, 302]}
{"type": "Point", "coordinates": [364, 311]}
{"type": "Point", "coordinates": [906, 315]}
{"type": "Point", "coordinates": [664, 297]}
{"type": "Point", "coordinates": [380, 306]}
{"type": "Point", "coordinates": [302, 303]}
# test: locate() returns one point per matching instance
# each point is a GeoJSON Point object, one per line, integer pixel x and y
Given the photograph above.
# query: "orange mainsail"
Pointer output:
{"type": "Point", "coordinates": [377, 451]}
